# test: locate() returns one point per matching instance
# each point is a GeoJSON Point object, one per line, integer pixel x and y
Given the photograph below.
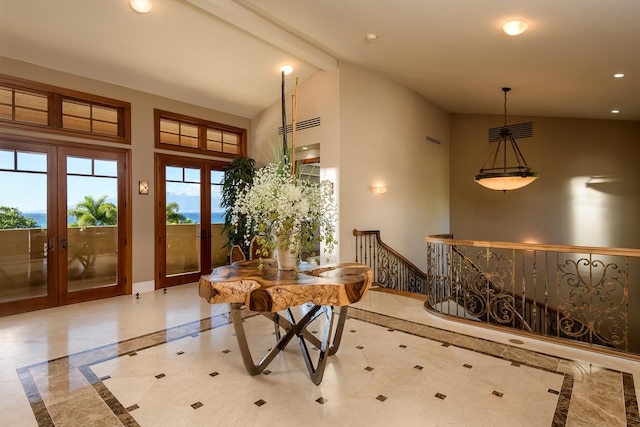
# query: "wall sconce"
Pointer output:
{"type": "Point", "coordinates": [378, 189]}
{"type": "Point", "coordinates": [143, 187]}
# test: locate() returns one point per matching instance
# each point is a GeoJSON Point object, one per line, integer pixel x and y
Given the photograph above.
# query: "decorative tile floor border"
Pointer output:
{"type": "Point", "coordinates": [118, 415]}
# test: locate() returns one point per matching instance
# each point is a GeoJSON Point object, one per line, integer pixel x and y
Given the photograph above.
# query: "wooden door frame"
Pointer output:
{"type": "Point", "coordinates": [123, 285]}
{"type": "Point", "coordinates": [205, 165]}
{"type": "Point", "coordinates": [51, 298]}
{"type": "Point", "coordinates": [52, 147]}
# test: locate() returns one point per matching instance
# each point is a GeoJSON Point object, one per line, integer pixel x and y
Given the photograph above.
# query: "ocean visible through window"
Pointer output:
{"type": "Point", "coordinates": [41, 218]}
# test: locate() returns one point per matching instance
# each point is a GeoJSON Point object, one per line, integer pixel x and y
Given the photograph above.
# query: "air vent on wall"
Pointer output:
{"type": "Point", "coordinates": [520, 130]}
{"type": "Point", "coordinates": [304, 124]}
{"type": "Point", "coordinates": [435, 141]}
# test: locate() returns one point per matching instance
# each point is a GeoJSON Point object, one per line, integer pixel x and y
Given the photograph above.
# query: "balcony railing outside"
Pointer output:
{"type": "Point", "coordinates": [92, 256]}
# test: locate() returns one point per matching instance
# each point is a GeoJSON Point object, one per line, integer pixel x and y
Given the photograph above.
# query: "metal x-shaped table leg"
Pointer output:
{"type": "Point", "coordinates": [297, 329]}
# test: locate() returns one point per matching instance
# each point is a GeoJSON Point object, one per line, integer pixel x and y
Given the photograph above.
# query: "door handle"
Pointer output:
{"type": "Point", "coordinates": [63, 243]}
{"type": "Point", "coordinates": [49, 246]}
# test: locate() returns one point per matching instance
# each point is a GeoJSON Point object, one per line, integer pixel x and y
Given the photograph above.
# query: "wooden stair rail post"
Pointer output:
{"type": "Point", "coordinates": [390, 269]}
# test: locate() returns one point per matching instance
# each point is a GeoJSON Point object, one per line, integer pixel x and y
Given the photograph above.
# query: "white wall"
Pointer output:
{"type": "Point", "coordinates": [383, 129]}
{"type": "Point", "coordinates": [586, 195]}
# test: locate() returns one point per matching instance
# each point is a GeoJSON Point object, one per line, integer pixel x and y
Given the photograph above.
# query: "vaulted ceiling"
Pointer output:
{"type": "Point", "coordinates": [226, 54]}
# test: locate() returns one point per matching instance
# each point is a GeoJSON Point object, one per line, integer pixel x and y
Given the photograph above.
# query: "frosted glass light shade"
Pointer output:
{"type": "Point", "coordinates": [286, 69]}
{"type": "Point", "coordinates": [506, 182]}
{"type": "Point", "coordinates": [515, 27]}
{"type": "Point", "coordinates": [378, 189]}
{"type": "Point", "coordinates": [141, 6]}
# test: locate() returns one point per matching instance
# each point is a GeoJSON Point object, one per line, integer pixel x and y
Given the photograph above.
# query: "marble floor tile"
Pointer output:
{"type": "Point", "coordinates": [172, 360]}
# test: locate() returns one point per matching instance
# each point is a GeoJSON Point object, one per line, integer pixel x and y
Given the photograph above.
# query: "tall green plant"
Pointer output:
{"type": "Point", "coordinates": [237, 176]}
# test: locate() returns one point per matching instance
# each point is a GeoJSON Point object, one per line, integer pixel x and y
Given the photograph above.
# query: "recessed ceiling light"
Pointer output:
{"type": "Point", "coordinates": [618, 75]}
{"type": "Point", "coordinates": [140, 6]}
{"type": "Point", "coordinates": [371, 37]}
{"type": "Point", "coordinates": [286, 69]}
{"type": "Point", "coordinates": [515, 27]}
{"type": "Point", "coordinates": [615, 111]}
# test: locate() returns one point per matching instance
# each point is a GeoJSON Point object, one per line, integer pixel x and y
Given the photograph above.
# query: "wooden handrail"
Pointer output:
{"type": "Point", "coordinates": [390, 268]}
{"type": "Point", "coordinates": [442, 238]}
{"type": "Point", "coordinates": [550, 317]}
{"type": "Point", "coordinates": [551, 313]}
{"type": "Point", "coordinates": [388, 248]}
{"type": "Point", "coordinates": [569, 303]}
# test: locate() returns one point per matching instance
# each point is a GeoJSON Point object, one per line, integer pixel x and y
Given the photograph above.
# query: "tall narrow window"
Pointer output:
{"type": "Point", "coordinates": [92, 232]}
{"type": "Point", "coordinates": [182, 195]}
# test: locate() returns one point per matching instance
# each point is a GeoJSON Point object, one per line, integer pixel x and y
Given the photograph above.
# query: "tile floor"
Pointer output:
{"type": "Point", "coordinates": [172, 360]}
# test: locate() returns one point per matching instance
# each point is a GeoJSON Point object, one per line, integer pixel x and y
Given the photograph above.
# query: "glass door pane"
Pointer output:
{"type": "Point", "coordinates": [183, 220]}
{"type": "Point", "coordinates": [92, 223]}
{"type": "Point", "coordinates": [23, 225]}
{"type": "Point", "coordinates": [219, 249]}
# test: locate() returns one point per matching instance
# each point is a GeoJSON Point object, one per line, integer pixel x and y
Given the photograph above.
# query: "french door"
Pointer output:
{"type": "Point", "coordinates": [189, 240]}
{"type": "Point", "coordinates": [62, 224]}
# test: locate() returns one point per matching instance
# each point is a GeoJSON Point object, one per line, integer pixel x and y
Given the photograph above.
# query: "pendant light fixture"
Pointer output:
{"type": "Point", "coordinates": [497, 175]}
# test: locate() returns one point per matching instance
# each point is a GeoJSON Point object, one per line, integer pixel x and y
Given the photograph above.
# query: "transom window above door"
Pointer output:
{"type": "Point", "coordinates": [182, 133]}
{"type": "Point", "coordinates": [36, 106]}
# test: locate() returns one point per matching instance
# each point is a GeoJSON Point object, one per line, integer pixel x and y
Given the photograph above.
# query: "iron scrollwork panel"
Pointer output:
{"type": "Point", "coordinates": [388, 267]}
{"type": "Point", "coordinates": [488, 292]}
{"type": "Point", "coordinates": [593, 300]}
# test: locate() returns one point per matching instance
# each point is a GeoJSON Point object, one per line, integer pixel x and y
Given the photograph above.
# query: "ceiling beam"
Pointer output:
{"type": "Point", "coordinates": [250, 22]}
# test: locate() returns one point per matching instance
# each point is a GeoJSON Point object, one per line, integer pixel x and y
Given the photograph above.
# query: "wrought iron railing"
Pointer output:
{"type": "Point", "coordinates": [390, 269]}
{"type": "Point", "coordinates": [575, 294]}
{"type": "Point", "coordinates": [578, 293]}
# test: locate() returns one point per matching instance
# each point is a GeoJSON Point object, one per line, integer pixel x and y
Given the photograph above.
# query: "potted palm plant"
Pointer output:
{"type": "Point", "coordinates": [237, 176]}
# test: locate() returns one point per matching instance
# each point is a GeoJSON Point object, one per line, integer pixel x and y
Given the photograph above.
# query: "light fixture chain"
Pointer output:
{"type": "Point", "coordinates": [505, 106]}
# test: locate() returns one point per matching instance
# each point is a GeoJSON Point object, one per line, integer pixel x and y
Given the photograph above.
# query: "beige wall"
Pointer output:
{"type": "Point", "coordinates": [587, 193]}
{"type": "Point", "coordinates": [317, 97]}
{"type": "Point", "coordinates": [383, 129]}
{"type": "Point", "coordinates": [373, 130]}
{"type": "Point", "coordinates": [142, 144]}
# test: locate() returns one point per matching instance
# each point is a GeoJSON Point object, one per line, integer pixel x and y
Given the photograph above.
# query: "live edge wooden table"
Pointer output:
{"type": "Point", "coordinates": [271, 292]}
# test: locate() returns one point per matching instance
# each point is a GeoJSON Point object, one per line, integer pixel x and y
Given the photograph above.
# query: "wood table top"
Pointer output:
{"type": "Point", "coordinates": [270, 289]}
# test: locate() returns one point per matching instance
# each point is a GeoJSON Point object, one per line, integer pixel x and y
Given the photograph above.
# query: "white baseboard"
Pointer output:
{"type": "Point", "coordinates": [141, 287]}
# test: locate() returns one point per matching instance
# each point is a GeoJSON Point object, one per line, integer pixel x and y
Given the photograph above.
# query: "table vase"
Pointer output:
{"type": "Point", "coordinates": [286, 260]}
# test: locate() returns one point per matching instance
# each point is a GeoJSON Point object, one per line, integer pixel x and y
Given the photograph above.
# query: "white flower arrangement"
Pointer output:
{"type": "Point", "coordinates": [287, 212]}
